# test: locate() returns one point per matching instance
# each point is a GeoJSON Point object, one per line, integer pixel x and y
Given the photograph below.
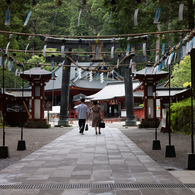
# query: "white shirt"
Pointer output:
{"type": "Point", "coordinates": [82, 109]}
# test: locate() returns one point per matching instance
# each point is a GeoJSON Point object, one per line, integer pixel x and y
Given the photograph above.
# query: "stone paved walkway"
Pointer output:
{"type": "Point", "coordinates": [103, 164]}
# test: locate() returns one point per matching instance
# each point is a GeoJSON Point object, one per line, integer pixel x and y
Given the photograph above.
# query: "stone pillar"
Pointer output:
{"type": "Point", "coordinates": [130, 117]}
{"type": "Point", "coordinates": [64, 102]}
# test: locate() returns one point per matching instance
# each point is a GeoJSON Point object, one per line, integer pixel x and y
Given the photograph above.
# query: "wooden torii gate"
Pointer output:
{"type": "Point", "coordinates": [83, 44]}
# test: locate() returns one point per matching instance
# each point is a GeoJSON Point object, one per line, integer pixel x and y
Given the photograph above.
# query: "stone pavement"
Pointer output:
{"type": "Point", "coordinates": [89, 164]}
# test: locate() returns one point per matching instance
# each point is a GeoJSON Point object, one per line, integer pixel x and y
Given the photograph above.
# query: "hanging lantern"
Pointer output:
{"type": "Point", "coordinates": [112, 2]}
{"type": "Point", "coordinates": [33, 2]}
{"type": "Point", "coordinates": [145, 38]}
{"type": "Point", "coordinates": [97, 41]}
{"type": "Point", "coordinates": [163, 37]}
{"type": "Point", "coordinates": [83, 2]}
{"type": "Point", "coordinates": [80, 41]}
{"type": "Point", "coordinates": [8, 2]}
{"type": "Point", "coordinates": [138, 1]}
{"type": "Point", "coordinates": [14, 54]}
{"type": "Point", "coordinates": [59, 2]}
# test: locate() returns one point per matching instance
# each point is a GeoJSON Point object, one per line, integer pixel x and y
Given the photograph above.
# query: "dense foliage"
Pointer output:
{"type": "Point", "coordinates": [98, 17]}
{"type": "Point", "coordinates": [181, 116]}
{"type": "Point", "coordinates": [182, 73]}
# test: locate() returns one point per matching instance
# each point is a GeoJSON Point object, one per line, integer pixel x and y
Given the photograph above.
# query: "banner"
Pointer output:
{"type": "Point", "coordinates": [7, 17]}
{"type": "Point", "coordinates": [128, 49]}
{"type": "Point", "coordinates": [28, 17]}
{"type": "Point", "coordinates": [135, 17]}
{"type": "Point", "coordinates": [180, 14]}
{"type": "Point", "coordinates": [157, 15]}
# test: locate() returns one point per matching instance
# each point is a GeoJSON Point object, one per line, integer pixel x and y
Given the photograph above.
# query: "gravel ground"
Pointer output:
{"type": "Point", "coordinates": [144, 140]}
{"type": "Point", "coordinates": [36, 138]}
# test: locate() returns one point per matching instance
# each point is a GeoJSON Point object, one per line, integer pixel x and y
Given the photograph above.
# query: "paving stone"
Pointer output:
{"type": "Point", "coordinates": [109, 158]}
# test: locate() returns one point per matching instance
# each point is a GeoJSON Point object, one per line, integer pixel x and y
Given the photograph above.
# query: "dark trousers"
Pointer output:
{"type": "Point", "coordinates": [82, 125]}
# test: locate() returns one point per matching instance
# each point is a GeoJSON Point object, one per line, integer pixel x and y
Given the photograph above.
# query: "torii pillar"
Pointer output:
{"type": "Point", "coordinates": [130, 117]}
{"type": "Point", "coordinates": [65, 95]}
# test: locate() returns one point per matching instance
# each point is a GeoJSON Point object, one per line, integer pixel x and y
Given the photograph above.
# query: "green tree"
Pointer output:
{"type": "Point", "coordinates": [181, 73]}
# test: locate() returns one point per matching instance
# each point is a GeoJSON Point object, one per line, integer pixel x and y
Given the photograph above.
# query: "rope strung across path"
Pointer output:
{"type": "Point", "coordinates": [97, 37]}
{"type": "Point", "coordinates": [99, 70]}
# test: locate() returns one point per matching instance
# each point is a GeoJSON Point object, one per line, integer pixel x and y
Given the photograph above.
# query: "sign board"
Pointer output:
{"type": "Point", "coordinates": [48, 106]}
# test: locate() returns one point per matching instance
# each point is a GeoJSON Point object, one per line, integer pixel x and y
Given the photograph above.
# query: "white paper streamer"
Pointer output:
{"type": "Point", "coordinates": [90, 76]}
{"type": "Point", "coordinates": [130, 64]}
{"type": "Point", "coordinates": [102, 77]}
{"type": "Point", "coordinates": [180, 15]}
{"type": "Point", "coordinates": [5, 62]}
{"type": "Point", "coordinates": [170, 58]}
{"type": "Point", "coordinates": [21, 72]}
{"type": "Point", "coordinates": [79, 17]}
{"type": "Point", "coordinates": [175, 57]}
{"type": "Point", "coordinates": [117, 63]}
{"type": "Point", "coordinates": [76, 64]}
{"type": "Point", "coordinates": [144, 49]}
{"type": "Point", "coordinates": [166, 61]}
{"type": "Point", "coordinates": [135, 73]}
{"type": "Point", "coordinates": [8, 65]}
{"type": "Point", "coordinates": [7, 48]}
{"type": "Point", "coordinates": [112, 52]}
{"type": "Point", "coordinates": [44, 50]}
{"type": "Point", "coordinates": [156, 59]}
{"type": "Point", "coordinates": [79, 73]}
{"type": "Point", "coordinates": [1, 61]}
{"type": "Point", "coordinates": [189, 49]}
{"type": "Point", "coordinates": [184, 51]}
{"type": "Point", "coordinates": [26, 48]}
{"type": "Point", "coordinates": [97, 52]}
{"type": "Point", "coordinates": [16, 73]}
{"type": "Point", "coordinates": [193, 44]}
{"type": "Point", "coordinates": [62, 51]}
{"type": "Point", "coordinates": [11, 65]}
{"type": "Point", "coordinates": [135, 17]}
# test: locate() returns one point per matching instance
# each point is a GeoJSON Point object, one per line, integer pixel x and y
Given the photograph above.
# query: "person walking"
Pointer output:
{"type": "Point", "coordinates": [96, 111]}
{"type": "Point", "coordinates": [82, 112]}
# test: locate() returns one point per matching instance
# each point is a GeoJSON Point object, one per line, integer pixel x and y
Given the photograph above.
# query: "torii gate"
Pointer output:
{"type": "Point", "coordinates": [82, 44]}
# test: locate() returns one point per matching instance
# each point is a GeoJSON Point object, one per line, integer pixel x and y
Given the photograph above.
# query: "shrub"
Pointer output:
{"type": "Point", "coordinates": [181, 116]}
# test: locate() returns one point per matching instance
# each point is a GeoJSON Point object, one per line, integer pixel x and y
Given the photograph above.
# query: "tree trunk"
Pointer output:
{"type": "Point", "coordinates": [190, 14]}
{"type": "Point", "coordinates": [34, 32]}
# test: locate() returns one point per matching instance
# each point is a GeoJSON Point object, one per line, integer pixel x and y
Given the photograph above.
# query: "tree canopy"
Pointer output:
{"type": "Point", "coordinates": [97, 17]}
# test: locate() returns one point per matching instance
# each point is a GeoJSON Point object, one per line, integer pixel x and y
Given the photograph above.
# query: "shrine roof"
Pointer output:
{"type": "Point", "coordinates": [15, 92]}
{"type": "Point", "coordinates": [75, 81]}
{"type": "Point", "coordinates": [36, 71]}
{"type": "Point", "coordinates": [94, 84]}
{"type": "Point", "coordinates": [112, 90]}
{"type": "Point", "coordinates": [148, 71]}
{"type": "Point", "coordinates": [164, 92]}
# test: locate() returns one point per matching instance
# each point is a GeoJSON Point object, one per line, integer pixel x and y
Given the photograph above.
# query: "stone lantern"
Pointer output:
{"type": "Point", "coordinates": [37, 78]}
{"type": "Point", "coordinates": [149, 79]}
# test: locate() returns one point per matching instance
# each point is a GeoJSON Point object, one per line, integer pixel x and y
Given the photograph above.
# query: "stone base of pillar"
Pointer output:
{"type": "Point", "coordinates": [64, 123]}
{"type": "Point", "coordinates": [191, 162]}
{"type": "Point", "coordinates": [130, 122]}
{"type": "Point", "coordinates": [37, 124]}
{"type": "Point", "coordinates": [4, 153]}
